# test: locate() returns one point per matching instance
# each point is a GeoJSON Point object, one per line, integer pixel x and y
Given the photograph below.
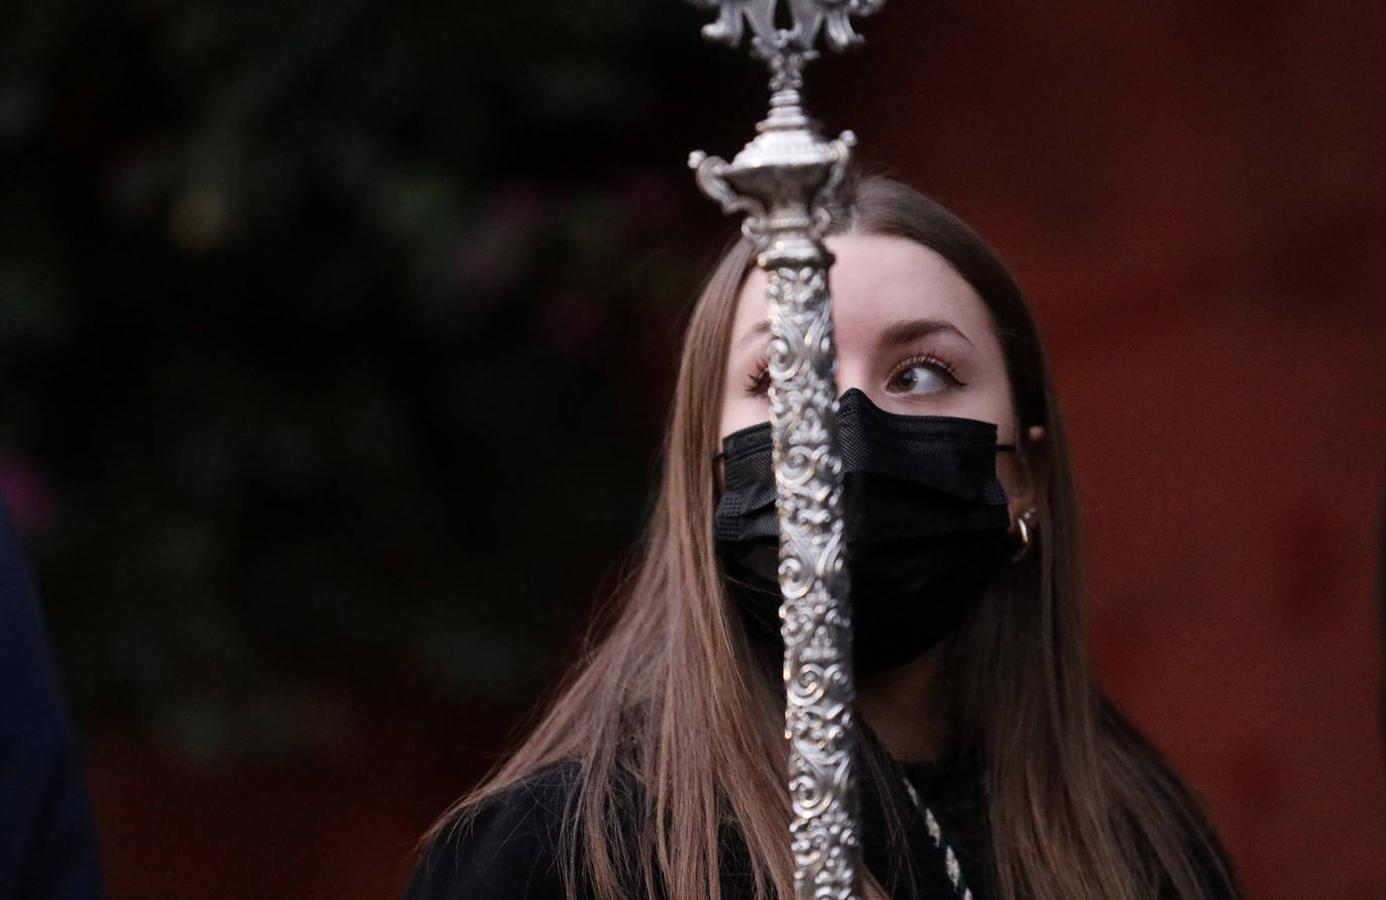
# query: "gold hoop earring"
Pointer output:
{"type": "Point", "coordinates": [1028, 527]}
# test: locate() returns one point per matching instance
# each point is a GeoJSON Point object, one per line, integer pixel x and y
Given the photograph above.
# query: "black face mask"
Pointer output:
{"type": "Point", "coordinates": [925, 519]}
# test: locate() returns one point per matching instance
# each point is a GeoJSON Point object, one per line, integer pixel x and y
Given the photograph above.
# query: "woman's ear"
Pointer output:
{"type": "Point", "coordinates": [1021, 479]}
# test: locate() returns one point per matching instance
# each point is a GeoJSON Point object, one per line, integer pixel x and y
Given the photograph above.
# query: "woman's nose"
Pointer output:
{"type": "Point", "coordinates": [849, 377]}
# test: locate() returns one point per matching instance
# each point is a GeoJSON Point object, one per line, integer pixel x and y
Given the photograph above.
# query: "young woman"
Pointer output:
{"type": "Point", "coordinates": [991, 764]}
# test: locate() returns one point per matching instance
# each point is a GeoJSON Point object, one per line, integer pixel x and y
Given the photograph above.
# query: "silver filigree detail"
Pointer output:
{"type": "Point", "coordinates": [832, 17]}
{"type": "Point", "coordinates": [815, 617]}
{"type": "Point", "coordinates": [709, 173]}
{"type": "Point", "coordinates": [783, 181]}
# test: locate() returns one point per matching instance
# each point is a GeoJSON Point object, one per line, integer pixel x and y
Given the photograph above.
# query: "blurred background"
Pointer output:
{"type": "Point", "coordinates": [336, 340]}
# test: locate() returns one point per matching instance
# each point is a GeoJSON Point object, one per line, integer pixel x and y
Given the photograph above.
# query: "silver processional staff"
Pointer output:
{"type": "Point", "coordinates": [783, 181]}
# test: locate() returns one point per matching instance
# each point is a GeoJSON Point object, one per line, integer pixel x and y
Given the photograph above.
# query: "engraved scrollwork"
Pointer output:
{"type": "Point", "coordinates": [809, 17]}
{"type": "Point", "coordinates": [840, 156]}
{"type": "Point", "coordinates": [730, 15]}
{"type": "Point", "coordinates": [710, 173]}
{"type": "Point", "coordinates": [815, 617]}
{"type": "Point", "coordinates": [837, 22]}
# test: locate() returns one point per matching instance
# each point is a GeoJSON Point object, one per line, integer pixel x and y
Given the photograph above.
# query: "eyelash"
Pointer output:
{"type": "Point", "coordinates": [758, 383]}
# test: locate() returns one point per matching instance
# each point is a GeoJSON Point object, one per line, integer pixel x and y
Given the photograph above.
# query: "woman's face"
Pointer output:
{"type": "Point", "coordinates": [911, 334]}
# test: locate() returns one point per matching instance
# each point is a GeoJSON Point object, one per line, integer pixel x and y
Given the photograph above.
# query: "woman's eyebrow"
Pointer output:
{"type": "Point", "coordinates": [761, 327]}
{"type": "Point", "coordinates": [913, 329]}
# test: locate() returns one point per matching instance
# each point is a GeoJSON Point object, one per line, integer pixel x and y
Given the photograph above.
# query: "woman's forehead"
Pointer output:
{"type": "Point", "coordinates": [878, 280]}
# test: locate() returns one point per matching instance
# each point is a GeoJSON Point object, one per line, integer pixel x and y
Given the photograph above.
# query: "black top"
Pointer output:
{"type": "Point", "coordinates": [511, 850]}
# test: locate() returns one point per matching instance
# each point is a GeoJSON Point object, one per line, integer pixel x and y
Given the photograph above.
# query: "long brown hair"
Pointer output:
{"type": "Point", "coordinates": [669, 695]}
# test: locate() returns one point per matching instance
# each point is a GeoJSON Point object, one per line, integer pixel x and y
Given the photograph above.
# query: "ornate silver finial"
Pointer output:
{"type": "Point", "coordinates": [808, 16]}
{"type": "Point", "coordinates": [783, 181]}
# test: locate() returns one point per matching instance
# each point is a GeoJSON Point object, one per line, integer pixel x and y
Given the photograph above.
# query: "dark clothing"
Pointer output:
{"type": "Point", "coordinates": [510, 851]}
{"type": "Point", "coordinates": [47, 843]}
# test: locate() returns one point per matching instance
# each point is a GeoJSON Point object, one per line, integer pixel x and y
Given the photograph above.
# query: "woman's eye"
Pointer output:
{"type": "Point", "coordinates": [758, 384]}
{"type": "Point", "coordinates": [922, 376]}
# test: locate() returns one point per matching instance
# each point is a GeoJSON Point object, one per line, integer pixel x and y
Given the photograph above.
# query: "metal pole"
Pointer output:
{"type": "Point", "coordinates": [782, 181]}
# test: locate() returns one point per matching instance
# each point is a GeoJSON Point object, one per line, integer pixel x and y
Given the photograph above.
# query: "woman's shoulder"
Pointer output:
{"type": "Point", "coordinates": [507, 846]}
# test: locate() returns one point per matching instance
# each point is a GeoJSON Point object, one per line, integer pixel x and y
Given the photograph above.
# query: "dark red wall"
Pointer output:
{"type": "Point", "coordinates": [1192, 195]}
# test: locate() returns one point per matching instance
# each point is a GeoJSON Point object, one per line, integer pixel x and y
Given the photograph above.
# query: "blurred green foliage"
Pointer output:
{"type": "Point", "coordinates": [337, 336]}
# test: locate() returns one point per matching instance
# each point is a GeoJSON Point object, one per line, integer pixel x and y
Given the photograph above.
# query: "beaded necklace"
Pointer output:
{"type": "Point", "coordinates": [950, 859]}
